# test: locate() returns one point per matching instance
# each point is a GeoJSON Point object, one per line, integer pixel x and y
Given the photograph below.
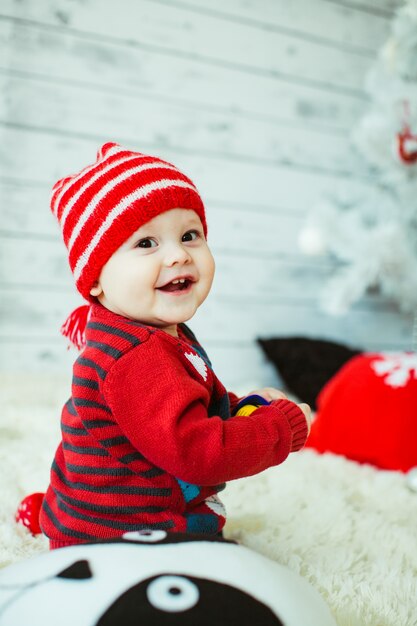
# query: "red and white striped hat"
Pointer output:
{"type": "Point", "coordinates": [101, 206]}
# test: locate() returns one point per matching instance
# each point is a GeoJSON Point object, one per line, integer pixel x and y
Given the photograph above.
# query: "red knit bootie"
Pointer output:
{"type": "Point", "coordinates": [28, 512]}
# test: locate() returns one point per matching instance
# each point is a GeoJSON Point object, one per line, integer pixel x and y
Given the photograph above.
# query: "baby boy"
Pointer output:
{"type": "Point", "coordinates": [149, 435]}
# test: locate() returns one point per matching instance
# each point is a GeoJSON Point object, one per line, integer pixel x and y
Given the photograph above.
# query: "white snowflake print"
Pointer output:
{"type": "Point", "coordinates": [23, 514]}
{"type": "Point", "coordinates": [198, 363]}
{"type": "Point", "coordinates": [397, 367]}
{"type": "Point", "coordinates": [216, 505]}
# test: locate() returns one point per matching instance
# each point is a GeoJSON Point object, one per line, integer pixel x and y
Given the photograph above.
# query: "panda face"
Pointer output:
{"type": "Point", "coordinates": [153, 578]}
{"type": "Point", "coordinates": [173, 600]}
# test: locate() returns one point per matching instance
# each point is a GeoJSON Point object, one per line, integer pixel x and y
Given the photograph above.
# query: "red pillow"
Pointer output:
{"type": "Point", "coordinates": [368, 411]}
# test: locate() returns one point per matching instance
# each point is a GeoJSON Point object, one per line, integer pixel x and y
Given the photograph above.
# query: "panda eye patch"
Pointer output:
{"type": "Point", "coordinates": [145, 536]}
{"type": "Point", "coordinates": [80, 570]}
{"type": "Point", "coordinates": [172, 594]}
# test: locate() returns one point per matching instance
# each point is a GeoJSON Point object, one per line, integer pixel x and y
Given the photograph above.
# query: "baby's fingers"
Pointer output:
{"type": "Point", "coordinates": [271, 394]}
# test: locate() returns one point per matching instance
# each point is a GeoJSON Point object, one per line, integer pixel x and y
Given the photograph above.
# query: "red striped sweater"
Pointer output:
{"type": "Point", "coordinates": [146, 437]}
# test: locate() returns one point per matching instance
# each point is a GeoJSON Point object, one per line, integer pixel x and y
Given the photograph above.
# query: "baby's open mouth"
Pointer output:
{"type": "Point", "coordinates": [177, 285]}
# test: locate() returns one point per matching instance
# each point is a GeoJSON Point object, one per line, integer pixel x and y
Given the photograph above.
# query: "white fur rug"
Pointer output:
{"type": "Point", "coordinates": [350, 530]}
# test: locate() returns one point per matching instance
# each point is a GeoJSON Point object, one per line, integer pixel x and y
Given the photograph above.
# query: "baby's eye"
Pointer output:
{"type": "Point", "coordinates": [191, 235]}
{"type": "Point", "coordinates": [146, 243]}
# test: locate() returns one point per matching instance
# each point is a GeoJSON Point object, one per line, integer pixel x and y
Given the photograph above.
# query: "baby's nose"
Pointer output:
{"type": "Point", "coordinates": [176, 253]}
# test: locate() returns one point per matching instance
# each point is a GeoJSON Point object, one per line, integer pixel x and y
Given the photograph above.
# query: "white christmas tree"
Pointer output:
{"type": "Point", "coordinates": [373, 235]}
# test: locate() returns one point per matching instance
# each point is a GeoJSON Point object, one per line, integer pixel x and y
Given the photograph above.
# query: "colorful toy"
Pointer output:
{"type": "Point", "coordinates": [152, 578]}
{"type": "Point", "coordinates": [249, 404]}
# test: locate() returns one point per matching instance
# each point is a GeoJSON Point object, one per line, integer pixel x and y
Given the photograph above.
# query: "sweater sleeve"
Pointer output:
{"type": "Point", "coordinates": [162, 410]}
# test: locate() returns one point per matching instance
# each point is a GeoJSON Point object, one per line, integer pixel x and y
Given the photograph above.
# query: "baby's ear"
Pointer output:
{"type": "Point", "coordinates": [96, 289]}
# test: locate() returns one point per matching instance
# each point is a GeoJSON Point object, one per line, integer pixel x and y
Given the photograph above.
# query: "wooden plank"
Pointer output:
{"type": "Point", "coordinates": [337, 24]}
{"type": "Point", "coordinates": [254, 233]}
{"type": "Point", "coordinates": [372, 7]}
{"type": "Point", "coordinates": [177, 32]}
{"type": "Point", "coordinates": [39, 358]}
{"type": "Point", "coordinates": [29, 314]}
{"type": "Point", "coordinates": [25, 214]}
{"type": "Point", "coordinates": [34, 263]}
{"type": "Point", "coordinates": [109, 67]}
{"type": "Point", "coordinates": [31, 266]}
{"type": "Point", "coordinates": [223, 317]}
{"type": "Point", "coordinates": [242, 369]}
{"type": "Point", "coordinates": [133, 73]}
{"type": "Point", "coordinates": [24, 209]}
{"type": "Point", "coordinates": [73, 109]}
{"type": "Point", "coordinates": [45, 158]}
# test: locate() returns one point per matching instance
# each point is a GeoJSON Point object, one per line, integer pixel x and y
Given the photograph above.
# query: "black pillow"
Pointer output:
{"type": "Point", "coordinates": [304, 364]}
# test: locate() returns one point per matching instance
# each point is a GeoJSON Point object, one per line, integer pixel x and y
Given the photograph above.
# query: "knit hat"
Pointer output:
{"type": "Point", "coordinates": [367, 411]}
{"type": "Point", "coordinates": [101, 206]}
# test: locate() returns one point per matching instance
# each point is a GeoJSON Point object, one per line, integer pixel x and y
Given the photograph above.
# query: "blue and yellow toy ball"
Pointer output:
{"type": "Point", "coordinates": [249, 404]}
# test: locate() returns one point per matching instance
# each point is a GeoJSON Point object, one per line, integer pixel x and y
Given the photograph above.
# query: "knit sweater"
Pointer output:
{"type": "Point", "coordinates": [146, 437]}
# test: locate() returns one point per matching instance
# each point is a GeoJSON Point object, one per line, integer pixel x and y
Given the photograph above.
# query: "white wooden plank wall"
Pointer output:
{"type": "Point", "coordinates": [254, 99]}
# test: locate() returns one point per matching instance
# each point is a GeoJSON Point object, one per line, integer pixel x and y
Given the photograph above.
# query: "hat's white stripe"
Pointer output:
{"type": "Point", "coordinates": [92, 205]}
{"type": "Point", "coordinates": [114, 150]}
{"type": "Point", "coordinates": [118, 210]}
{"type": "Point", "coordinates": [91, 181]}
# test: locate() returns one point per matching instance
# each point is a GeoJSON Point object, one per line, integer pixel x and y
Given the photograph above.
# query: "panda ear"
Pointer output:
{"type": "Point", "coordinates": [80, 570]}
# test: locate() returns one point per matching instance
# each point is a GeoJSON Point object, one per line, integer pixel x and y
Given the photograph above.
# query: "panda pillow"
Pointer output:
{"type": "Point", "coordinates": [152, 578]}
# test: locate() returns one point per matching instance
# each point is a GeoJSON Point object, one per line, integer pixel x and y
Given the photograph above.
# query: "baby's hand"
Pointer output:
{"type": "Point", "coordinates": [269, 393]}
